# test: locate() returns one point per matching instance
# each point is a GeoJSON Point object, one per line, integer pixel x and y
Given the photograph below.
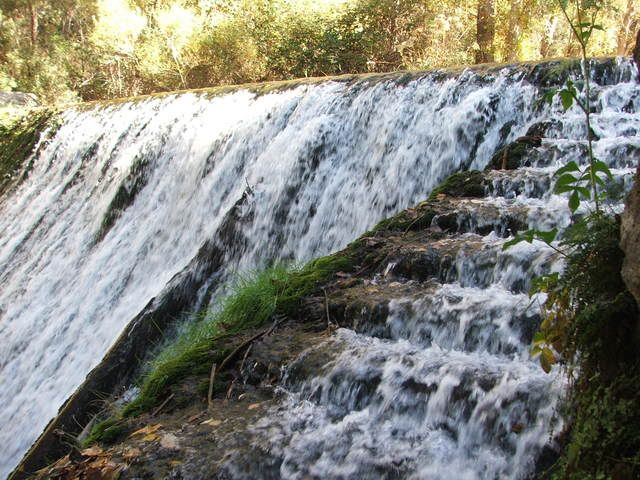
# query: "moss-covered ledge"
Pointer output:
{"type": "Point", "coordinates": [18, 139]}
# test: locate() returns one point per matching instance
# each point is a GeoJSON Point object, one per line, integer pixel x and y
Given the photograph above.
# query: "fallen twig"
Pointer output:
{"type": "Point", "coordinates": [232, 355]}
{"type": "Point", "coordinates": [162, 405]}
{"type": "Point", "coordinates": [326, 306]}
{"type": "Point", "coordinates": [230, 390]}
{"type": "Point", "coordinates": [212, 376]}
{"type": "Point", "coordinates": [244, 358]}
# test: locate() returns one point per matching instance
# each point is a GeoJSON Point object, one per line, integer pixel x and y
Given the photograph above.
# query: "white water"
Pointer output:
{"type": "Point", "coordinates": [325, 162]}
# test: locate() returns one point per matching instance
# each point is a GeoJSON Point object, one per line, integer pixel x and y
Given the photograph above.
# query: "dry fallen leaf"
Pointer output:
{"type": "Point", "coordinates": [94, 451]}
{"type": "Point", "coordinates": [147, 430]}
{"type": "Point", "coordinates": [253, 406]}
{"type": "Point", "coordinates": [212, 422]}
{"type": "Point", "coordinates": [152, 437]}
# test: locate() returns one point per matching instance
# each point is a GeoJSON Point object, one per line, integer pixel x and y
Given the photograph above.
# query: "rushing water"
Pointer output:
{"type": "Point", "coordinates": [123, 197]}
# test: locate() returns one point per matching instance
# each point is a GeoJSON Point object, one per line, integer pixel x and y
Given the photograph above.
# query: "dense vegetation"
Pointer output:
{"type": "Point", "coordinates": [68, 50]}
{"type": "Point", "coordinates": [590, 325]}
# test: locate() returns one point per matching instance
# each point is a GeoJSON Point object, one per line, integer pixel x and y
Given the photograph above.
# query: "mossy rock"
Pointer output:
{"type": "Point", "coordinates": [555, 73]}
{"type": "Point", "coordinates": [541, 129]}
{"type": "Point", "coordinates": [514, 155]}
{"type": "Point", "coordinates": [469, 184]}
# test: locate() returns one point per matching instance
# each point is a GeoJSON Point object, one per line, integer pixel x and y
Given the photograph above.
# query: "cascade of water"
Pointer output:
{"type": "Point", "coordinates": [124, 196]}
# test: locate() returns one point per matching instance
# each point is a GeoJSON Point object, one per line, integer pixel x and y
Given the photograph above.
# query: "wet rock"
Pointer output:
{"type": "Point", "coordinates": [514, 155]}
{"type": "Point", "coordinates": [630, 239]}
{"type": "Point", "coordinates": [470, 184]}
{"type": "Point", "coordinates": [541, 129]}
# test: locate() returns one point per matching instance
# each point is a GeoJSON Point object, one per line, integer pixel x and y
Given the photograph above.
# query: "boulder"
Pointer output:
{"type": "Point", "coordinates": [630, 239]}
{"type": "Point", "coordinates": [18, 99]}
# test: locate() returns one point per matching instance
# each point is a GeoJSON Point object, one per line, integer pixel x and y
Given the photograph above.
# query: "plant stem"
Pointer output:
{"type": "Point", "coordinates": [586, 71]}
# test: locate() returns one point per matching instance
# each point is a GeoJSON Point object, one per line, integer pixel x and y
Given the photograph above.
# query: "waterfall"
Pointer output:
{"type": "Point", "coordinates": [124, 196]}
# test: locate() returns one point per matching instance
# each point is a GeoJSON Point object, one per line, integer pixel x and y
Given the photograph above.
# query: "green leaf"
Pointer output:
{"type": "Point", "coordinates": [526, 236]}
{"type": "Point", "coordinates": [574, 201]}
{"type": "Point", "coordinates": [547, 359]}
{"type": "Point", "coordinates": [567, 99]}
{"type": "Point", "coordinates": [547, 97]}
{"type": "Point", "coordinates": [569, 167]}
{"type": "Point", "coordinates": [565, 180]}
{"type": "Point", "coordinates": [600, 166]}
{"type": "Point", "coordinates": [565, 189]}
{"type": "Point", "coordinates": [584, 191]}
{"type": "Point", "coordinates": [547, 236]}
{"type": "Point", "coordinates": [539, 338]}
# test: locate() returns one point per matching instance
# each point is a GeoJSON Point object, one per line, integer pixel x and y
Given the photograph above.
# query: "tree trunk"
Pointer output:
{"type": "Point", "coordinates": [636, 53]}
{"type": "Point", "coordinates": [485, 31]}
{"type": "Point", "coordinates": [33, 18]}
{"type": "Point", "coordinates": [625, 33]}
{"type": "Point", "coordinates": [514, 31]}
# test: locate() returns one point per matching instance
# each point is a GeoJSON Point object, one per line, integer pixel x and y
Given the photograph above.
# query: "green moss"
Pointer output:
{"type": "Point", "coordinates": [557, 72]}
{"type": "Point", "coordinates": [596, 321]}
{"type": "Point", "coordinates": [470, 184]}
{"type": "Point", "coordinates": [18, 139]}
{"type": "Point", "coordinates": [106, 431]}
{"type": "Point", "coordinates": [509, 157]}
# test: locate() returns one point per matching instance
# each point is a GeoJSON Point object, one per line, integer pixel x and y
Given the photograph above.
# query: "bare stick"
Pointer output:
{"type": "Point", "coordinates": [212, 377]}
{"type": "Point", "coordinates": [244, 359]}
{"type": "Point", "coordinates": [230, 391]}
{"type": "Point", "coordinates": [162, 405]}
{"type": "Point", "coordinates": [326, 306]}
{"type": "Point", "coordinates": [235, 352]}
{"type": "Point", "coordinates": [249, 342]}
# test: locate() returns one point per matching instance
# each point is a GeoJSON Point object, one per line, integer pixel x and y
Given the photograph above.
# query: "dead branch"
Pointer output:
{"type": "Point", "coordinates": [235, 352]}
{"type": "Point", "coordinates": [212, 377]}
{"type": "Point", "coordinates": [162, 405]}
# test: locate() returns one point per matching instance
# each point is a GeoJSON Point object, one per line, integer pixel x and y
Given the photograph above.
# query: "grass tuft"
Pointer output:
{"type": "Point", "coordinates": [253, 301]}
{"type": "Point", "coordinates": [106, 431]}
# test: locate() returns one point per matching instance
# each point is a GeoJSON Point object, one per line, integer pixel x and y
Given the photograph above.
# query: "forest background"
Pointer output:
{"type": "Point", "coordinates": [78, 50]}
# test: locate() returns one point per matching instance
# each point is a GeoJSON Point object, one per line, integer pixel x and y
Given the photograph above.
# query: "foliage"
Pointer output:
{"type": "Point", "coordinates": [66, 50]}
{"type": "Point", "coordinates": [589, 318]}
{"type": "Point", "coordinates": [589, 322]}
{"type": "Point", "coordinates": [582, 183]}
